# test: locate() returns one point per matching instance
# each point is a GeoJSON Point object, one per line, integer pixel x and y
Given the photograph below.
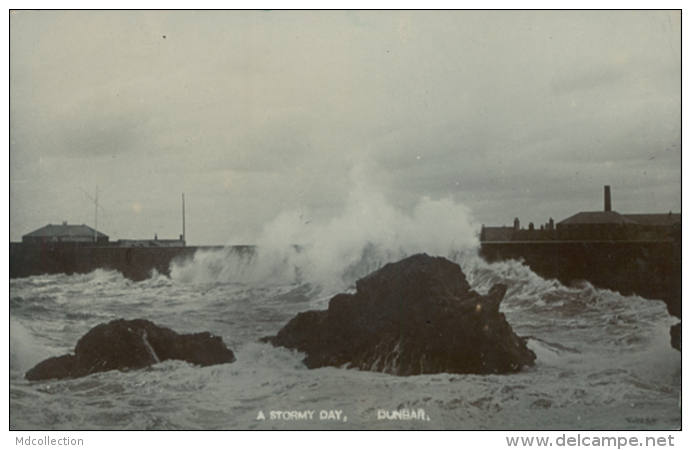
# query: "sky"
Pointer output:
{"type": "Point", "coordinates": [257, 115]}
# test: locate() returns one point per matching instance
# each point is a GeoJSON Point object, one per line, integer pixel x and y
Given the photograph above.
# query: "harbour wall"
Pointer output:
{"type": "Point", "coordinates": [650, 269]}
{"type": "Point", "coordinates": [135, 263]}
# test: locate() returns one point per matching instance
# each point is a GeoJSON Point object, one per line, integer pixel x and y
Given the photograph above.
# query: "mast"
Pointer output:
{"type": "Point", "coordinates": [96, 219]}
{"type": "Point", "coordinates": [183, 218]}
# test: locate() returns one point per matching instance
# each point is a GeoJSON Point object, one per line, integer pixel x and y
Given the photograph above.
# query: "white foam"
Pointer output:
{"type": "Point", "coordinates": [25, 350]}
{"type": "Point", "coordinates": [369, 233]}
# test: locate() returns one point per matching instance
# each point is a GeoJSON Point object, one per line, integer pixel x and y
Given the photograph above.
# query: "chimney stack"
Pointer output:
{"type": "Point", "coordinates": [608, 199]}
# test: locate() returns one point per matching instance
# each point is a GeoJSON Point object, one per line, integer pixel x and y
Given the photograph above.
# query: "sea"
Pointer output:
{"type": "Point", "coordinates": [604, 360]}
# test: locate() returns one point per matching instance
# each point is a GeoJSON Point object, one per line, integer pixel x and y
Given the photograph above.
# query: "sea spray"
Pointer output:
{"type": "Point", "coordinates": [25, 349]}
{"type": "Point", "coordinates": [368, 234]}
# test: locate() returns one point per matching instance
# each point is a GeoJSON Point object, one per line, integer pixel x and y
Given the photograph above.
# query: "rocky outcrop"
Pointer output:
{"type": "Point", "coordinates": [132, 344]}
{"type": "Point", "coordinates": [416, 316]}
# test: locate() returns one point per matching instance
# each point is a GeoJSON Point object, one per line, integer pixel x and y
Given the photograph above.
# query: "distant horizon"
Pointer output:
{"type": "Point", "coordinates": [523, 224]}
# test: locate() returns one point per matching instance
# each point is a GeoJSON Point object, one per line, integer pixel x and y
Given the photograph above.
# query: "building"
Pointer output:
{"type": "Point", "coordinates": [630, 253]}
{"type": "Point", "coordinates": [606, 225]}
{"type": "Point", "coordinates": [54, 234]}
{"type": "Point", "coordinates": [150, 242]}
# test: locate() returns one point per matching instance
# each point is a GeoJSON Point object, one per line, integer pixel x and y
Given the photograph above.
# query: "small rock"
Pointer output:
{"type": "Point", "coordinates": [132, 344]}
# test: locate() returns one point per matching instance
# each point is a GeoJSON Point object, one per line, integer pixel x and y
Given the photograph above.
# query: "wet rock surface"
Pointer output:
{"type": "Point", "coordinates": [132, 344]}
{"type": "Point", "coordinates": [415, 316]}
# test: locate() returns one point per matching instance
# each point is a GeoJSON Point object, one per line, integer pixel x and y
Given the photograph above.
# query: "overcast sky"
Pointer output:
{"type": "Point", "coordinates": [257, 114]}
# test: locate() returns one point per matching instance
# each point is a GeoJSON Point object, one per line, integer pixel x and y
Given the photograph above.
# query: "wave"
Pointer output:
{"type": "Point", "coordinates": [25, 350]}
{"type": "Point", "coordinates": [369, 234]}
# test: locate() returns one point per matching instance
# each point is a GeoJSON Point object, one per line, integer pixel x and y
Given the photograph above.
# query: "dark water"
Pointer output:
{"type": "Point", "coordinates": [603, 360]}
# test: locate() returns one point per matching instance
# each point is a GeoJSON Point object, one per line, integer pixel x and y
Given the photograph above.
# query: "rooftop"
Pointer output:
{"type": "Point", "coordinates": [597, 217]}
{"type": "Point", "coordinates": [655, 219]}
{"type": "Point", "coordinates": [65, 230]}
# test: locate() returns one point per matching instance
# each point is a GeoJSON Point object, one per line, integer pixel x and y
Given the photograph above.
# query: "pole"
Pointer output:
{"type": "Point", "coordinates": [183, 218]}
{"type": "Point", "coordinates": [96, 219]}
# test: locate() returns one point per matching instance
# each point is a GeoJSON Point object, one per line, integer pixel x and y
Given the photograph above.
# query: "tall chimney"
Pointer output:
{"type": "Point", "coordinates": [608, 199]}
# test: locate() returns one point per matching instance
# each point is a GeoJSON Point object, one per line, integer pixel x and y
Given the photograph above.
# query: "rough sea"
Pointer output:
{"type": "Point", "coordinates": [604, 361]}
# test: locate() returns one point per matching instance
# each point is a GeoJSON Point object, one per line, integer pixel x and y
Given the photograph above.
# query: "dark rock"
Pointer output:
{"type": "Point", "coordinates": [675, 335]}
{"type": "Point", "coordinates": [415, 316]}
{"type": "Point", "coordinates": [132, 344]}
{"type": "Point", "coordinates": [58, 367]}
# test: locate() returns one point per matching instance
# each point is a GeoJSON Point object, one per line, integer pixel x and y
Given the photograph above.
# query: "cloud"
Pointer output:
{"type": "Point", "coordinates": [578, 79]}
{"type": "Point", "coordinates": [253, 113]}
{"type": "Point", "coordinates": [100, 136]}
